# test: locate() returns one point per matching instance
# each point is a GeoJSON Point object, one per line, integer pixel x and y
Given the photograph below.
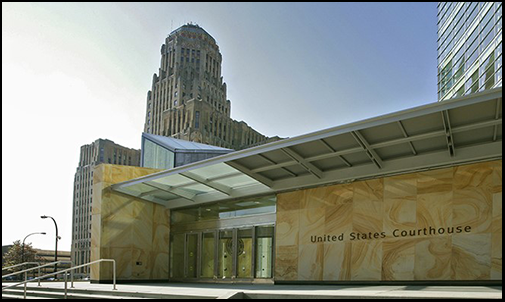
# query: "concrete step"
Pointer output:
{"type": "Point", "coordinates": [40, 294]}
{"type": "Point", "coordinates": [58, 293]}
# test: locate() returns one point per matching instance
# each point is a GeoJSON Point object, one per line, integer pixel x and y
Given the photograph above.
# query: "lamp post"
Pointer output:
{"type": "Point", "coordinates": [23, 250]}
{"type": "Point", "coordinates": [56, 247]}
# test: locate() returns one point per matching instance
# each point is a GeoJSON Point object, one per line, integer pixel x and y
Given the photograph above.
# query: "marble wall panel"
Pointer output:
{"type": "Point", "coordinates": [471, 257]}
{"type": "Point", "coordinates": [134, 232]}
{"type": "Point", "coordinates": [475, 176]}
{"type": "Point", "coordinates": [366, 260]}
{"type": "Point", "coordinates": [367, 216]}
{"type": "Point", "coordinates": [312, 222]}
{"type": "Point", "coordinates": [287, 230]}
{"type": "Point", "coordinates": [497, 177]}
{"type": "Point", "coordinates": [496, 224]}
{"type": "Point", "coordinates": [399, 213]}
{"type": "Point", "coordinates": [290, 201]}
{"type": "Point", "coordinates": [143, 211]}
{"type": "Point", "coordinates": [327, 196]}
{"type": "Point", "coordinates": [369, 190]}
{"type": "Point", "coordinates": [160, 265]}
{"type": "Point", "coordinates": [398, 259]}
{"type": "Point", "coordinates": [161, 237]}
{"type": "Point", "coordinates": [311, 262]}
{"type": "Point", "coordinates": [400, 186]}
{"type": "Point", "coordinates": [433, 181]}
{"type": "Point", "coordinates": [142, 234]}
{"type": "Point", "coordinates": [434, 209]}
{"type": "Point", "coordinates": [441, 224]}
{"type": "Point", "coordinates": [433, 258]}
{"type": "Point", "coordinates": [141, 264]}
{"type": "Point", "coordinates": [473, 207]}
{"type": "Point", "coordinates": [337, 261]}
{"type": "Point", "coordinates": [338, 219]}
{"type": "Point", "coordinates": [496, 256]}
{"type": "Point", "coordinates": [286, 262]}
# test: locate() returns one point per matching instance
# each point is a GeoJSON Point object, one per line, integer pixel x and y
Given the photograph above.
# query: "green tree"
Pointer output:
{"type": "Point", "coordinates": [15, 255]}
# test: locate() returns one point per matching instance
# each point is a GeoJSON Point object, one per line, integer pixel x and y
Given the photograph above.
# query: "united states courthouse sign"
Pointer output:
{"type": "Point", "coordinates": [442, 224]}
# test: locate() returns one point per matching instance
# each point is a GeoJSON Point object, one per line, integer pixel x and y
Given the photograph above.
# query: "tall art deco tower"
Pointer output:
{"type": "Point", "coordinates": [188, 96]}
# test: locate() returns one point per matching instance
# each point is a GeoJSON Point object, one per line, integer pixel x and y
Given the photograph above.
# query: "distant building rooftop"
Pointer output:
{"type": "Point", "coordinates": [194, 28]}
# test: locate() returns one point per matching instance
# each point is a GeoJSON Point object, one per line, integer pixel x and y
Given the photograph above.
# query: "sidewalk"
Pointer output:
{"type": "Point", "coordinates": [296, 291]}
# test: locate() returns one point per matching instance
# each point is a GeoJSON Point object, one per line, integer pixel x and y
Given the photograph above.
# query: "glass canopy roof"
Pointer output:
{"type": "Point", "coordinates": [456, 131]}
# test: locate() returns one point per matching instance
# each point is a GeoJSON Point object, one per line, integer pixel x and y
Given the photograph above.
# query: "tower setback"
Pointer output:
{"type": "Point", "coordinates": [188, 96]}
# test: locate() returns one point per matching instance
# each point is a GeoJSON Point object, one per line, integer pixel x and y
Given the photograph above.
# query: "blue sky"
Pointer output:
{"type": "Point", "coordinates": [76, 72]}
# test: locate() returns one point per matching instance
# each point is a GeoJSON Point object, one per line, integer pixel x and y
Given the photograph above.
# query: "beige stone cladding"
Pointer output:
{"type": "Point", "coordinates": [443, 224]}
{"type": "Point", "coordinates": [132, 231]}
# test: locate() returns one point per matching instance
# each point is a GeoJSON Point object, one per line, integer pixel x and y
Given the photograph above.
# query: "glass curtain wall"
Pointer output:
{"type": "Point", "coordinates": [469, 47]}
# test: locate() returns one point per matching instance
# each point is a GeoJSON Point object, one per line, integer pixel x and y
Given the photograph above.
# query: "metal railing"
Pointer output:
{"type": "Point", "coordinates": [31, 269]}
{"type": "Point", "coordinates": [24, 263]}
{"type": "Point", "coordinates": [65, 275]}
{"type": "Point", "coordinates": [17, 273]}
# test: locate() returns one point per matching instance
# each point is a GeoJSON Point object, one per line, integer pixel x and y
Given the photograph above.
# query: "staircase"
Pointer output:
{"type": "Point", "coordinates": [73, 293]}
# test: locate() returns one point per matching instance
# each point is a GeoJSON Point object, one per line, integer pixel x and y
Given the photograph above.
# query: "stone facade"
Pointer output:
{"type": "Point", "coordinates": [188, 96]}
{"type": "Point", "coordinates": [100, 151]}
{"type": "Point", "coordinates": [443, 224]}
{"type": "Point", "coordinates": [132, 231]}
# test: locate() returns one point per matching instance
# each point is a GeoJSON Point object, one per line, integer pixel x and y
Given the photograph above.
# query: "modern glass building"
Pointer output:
{"type": "Point", "coordinates": [469, 47]}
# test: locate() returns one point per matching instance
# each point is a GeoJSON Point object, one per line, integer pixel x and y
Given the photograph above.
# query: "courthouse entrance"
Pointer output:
{"type": "Point", "coordinates": [237, 244]}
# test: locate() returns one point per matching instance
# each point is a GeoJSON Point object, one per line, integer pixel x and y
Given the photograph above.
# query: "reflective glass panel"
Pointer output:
{"type": "Point", "coordinates": [155, 156]}
{"type": "Point", "coordinates": [208, 254]}
{"type": "Point", "coordinates": [244, 253]}
{"type": "Point", "coordinates": [264, 249]}
{"type": "Point", "coordinates": [225, 254]}
{"type": "Point", "coordinates": [177, 256]}
{"type": "Point", "coordinates": [191, 255]}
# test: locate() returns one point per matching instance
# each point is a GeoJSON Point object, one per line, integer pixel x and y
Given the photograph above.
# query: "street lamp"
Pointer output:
{"type": "Point", "coordinates": [23, 250]}
{"type": "Point", "coordinates": [56, 247]}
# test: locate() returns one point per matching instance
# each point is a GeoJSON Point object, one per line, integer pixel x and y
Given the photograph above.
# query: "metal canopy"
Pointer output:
{"type": "Point", "coordinates": [451, 132]}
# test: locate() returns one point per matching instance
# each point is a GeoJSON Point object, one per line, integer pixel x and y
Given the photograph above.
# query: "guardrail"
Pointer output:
{"type": "Point", "coordinates": [17, 273]}
{"type": "Point", "coordinates": [31, 269]}
{"type": "Point", "coordinates": [65, 274]}
{"type": "Point", "coordinates": [24, 263]}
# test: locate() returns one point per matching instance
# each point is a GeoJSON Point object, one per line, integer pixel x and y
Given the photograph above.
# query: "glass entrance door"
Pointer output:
{"type": "Point", "coordinates": [244, 254]}
{"type": "Point", "coordinates": [208, 255]}
{"type": "Point", "coordinates": [264, 251]}
{"type": "Point", "coordinates": [191, 255]}
{"type": "Point", "coordinates": [225, 254]}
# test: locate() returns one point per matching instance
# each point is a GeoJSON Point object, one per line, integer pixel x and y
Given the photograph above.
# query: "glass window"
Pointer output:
{"type": "Point", "coordinates": [472, 84]}
{"type": "Point", "coordinates": [225, 209]}
{"type": "Point", "coordinates": [264, 249]}
{"type": "Point", "coordinates": [197, 119]}
{"type": "Point", "coordinates": [486, 73]}
{"type": "Point", "coordinates": [155, 156]}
